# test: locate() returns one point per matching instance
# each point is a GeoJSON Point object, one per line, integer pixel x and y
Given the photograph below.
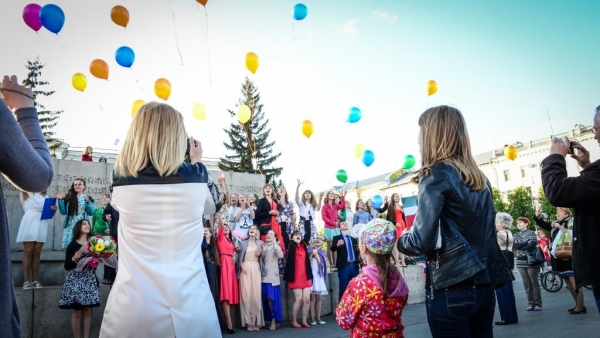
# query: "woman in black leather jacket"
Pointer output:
{"type": "Point", "coordinates": [455, 230]}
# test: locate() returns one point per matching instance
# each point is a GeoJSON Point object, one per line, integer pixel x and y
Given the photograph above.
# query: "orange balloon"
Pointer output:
{"type": "Point", "coordinates": [99, 69]}
{"type": "Point", "coordinates": [162, 88]}
{"type": "Point", "coordinates": [307, 128]}
{"type": "Point", "coordinates": [120, 15]}
{"type": "Point", "coordinates": [202, 2]}
{"type": "Point", "coordinates": [432, 87]}
{"type": "Point", "coordinates": [511, 152]}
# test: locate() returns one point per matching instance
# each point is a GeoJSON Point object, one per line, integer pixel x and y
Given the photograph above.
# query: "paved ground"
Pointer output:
{"type": "Point", "coordinates": [553, 321]}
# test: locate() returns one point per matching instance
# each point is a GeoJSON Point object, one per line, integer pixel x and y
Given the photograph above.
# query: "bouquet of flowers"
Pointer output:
{"type": "Point", "coordinates": [238, 237]}
{"type": "Point", "coordinates": [101, 248]}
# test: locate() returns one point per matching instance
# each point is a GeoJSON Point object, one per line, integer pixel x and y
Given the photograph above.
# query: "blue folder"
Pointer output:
{"type": "Point", "coordinates": [47, 213]}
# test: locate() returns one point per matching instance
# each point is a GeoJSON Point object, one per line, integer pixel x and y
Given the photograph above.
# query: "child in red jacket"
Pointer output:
{"type": "Point", "coordinates": [373, 302]}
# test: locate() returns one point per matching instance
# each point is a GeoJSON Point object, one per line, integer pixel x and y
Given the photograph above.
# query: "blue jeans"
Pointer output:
{"type": "Point", "coordinates": [597, 295]}
{"type": "Point", "coordinates": [345, 275]}
{"type": "Point", "coordinates": [462, 311]}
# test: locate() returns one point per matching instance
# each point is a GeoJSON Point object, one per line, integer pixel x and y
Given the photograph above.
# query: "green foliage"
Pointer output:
{"type": "Point", "coordinates": [252, 152]}
{"type": "Point", "coordinates": [520, 203]}
{"type": "Point", "coordinates": [548, 210]}
{"type": "Point", "coordinates": [499, 204]}
{"type": "Point", "coordinates": [47, 118]}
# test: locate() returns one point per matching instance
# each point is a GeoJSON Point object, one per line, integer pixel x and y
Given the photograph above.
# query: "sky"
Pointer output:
{"type": "Point", "coordinates": [509, 66]}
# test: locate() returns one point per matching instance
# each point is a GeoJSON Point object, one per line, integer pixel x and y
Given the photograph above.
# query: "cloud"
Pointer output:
{"type": "Point", "coordinates": [384, 16]}
{"type": "Point", "coordinates": [349, 28]}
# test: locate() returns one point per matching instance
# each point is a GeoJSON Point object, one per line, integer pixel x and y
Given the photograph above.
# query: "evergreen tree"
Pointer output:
{"type": "Point", "coordinates": [252, 152]}
{"type": "Point", "coordinates": [47, 118]}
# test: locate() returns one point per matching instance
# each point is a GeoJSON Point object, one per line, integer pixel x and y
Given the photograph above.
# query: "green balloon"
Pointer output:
{"type": "Point", "coordinates": [409, 162]}
{"type": "Point", "coordinates": [342, 176]}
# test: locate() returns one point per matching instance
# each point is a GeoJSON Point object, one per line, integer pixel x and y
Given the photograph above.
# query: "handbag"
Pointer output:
{"type": "Point", "coordinates": [564, 251]}
{"type": "Point", "coordinates": [535, 256]}
{"type": "Point", "coordinates": [509, 255]}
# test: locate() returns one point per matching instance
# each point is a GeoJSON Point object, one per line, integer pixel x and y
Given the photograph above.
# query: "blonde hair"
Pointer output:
{"type": "Point", "coordinates": [443, 138]}
{"type": "Point", "coordinates": [156, 137]}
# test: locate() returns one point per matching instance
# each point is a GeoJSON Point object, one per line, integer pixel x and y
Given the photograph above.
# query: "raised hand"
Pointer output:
{"type": "Point", "coordinates": [59, 194]}
{"type": "Point", "coordinates": [583, 155]}
{"type": "Point", "coordinates": [15, 95]}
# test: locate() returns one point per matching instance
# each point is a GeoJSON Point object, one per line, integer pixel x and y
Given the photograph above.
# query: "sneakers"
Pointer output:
{"type": "Point", "coordinates": [537, 308]}
{"type": "Point", "coordinates": [36, 285]}
{"type": "Point", "coordinates": [27, 285]}
{"type": "Point", "coordinates": [313, 323]}
{"type": "Point", "coordinates": [530, 308]}
{"type": "Point", "coordinates": [320, 322]}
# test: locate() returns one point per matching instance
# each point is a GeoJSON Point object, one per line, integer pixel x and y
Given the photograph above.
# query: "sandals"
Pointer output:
{"type": "Point", "coordinates": [296, 326]}
{"type": "Point", "coordinates": [252, 328]}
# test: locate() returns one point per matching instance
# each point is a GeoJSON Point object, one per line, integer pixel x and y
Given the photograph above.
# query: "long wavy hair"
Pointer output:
{"type": "Point", "coordinates": [71, 198]}
{"type": "Point", "coordinates": [213, 243]}
{"type": "Point", "coordinates": [443, 138]}
{"type": "Point", "coordinates": [313, 199]}
{"type": "Point", "coordinates": [385, 268]}
{"type": "Point", "coordinates": [77, 229]}
{"type": "Point", "coordinates": [391, 209]}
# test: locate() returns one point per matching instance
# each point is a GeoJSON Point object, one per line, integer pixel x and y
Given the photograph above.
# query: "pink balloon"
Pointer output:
{"type": "Point", "coordinates": [31, 16]}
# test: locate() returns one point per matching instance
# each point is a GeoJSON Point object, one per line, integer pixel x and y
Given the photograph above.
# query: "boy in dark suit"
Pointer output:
{"type": "Point", "coordinates": [348, 257]}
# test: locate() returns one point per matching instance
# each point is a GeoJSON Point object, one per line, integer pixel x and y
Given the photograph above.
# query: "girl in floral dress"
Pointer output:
{"type": "Point", "coordinates": [285, 218]}
{"type": "Point", "coordinates": [307, 209]}
{"type": "Point", "coordinates": [373, 301]}
{"type": "Point", "coordinates": [318, 264]}
{"type": "Point", "coordinates": [76, 206]}
{"type": "Point", "coordinates": [80, 291]}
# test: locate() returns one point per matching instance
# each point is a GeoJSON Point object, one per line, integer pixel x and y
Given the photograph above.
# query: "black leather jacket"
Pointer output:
{"type": "Point", "coordinates": [469, 246]}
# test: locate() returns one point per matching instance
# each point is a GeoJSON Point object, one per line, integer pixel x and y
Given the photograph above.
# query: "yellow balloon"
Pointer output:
{"type": "Point", "coordinates": [199, 111]}
{"type": "Point", "coordinates": [432, 87]}
{"type": "Point", "coordinates": [511, 152]}
{"type": "Point", "coordinates": [99, 68]}
{"type": "Point", "coordinates": [307, 128]}
{"type": "Point", "coordinates": [359, 149]}
{"type": "Point", "coordinates": [136, 107]}
{"type": "Point", "coordinates": [244, 113]}
{"type": "Point", "coordinates": [162, 88]}
{"type": "Point", "coordinates": [79, 81]}
{"type": "Point", "coordinates": [252, 62]}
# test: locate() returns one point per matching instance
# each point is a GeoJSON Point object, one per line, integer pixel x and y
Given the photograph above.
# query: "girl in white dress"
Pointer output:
{"type": "Point", "coordinates": [318, 263]}
{"type": "Point", "coordinates": [32, 233]}
{"type": "Point", "coordinates": [244, 215]}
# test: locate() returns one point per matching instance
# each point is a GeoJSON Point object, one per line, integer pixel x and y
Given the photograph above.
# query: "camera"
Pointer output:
{"type": "Point", "coordinates": [571, 150]}
{"type": "Point", "coordinates": [187, 148]}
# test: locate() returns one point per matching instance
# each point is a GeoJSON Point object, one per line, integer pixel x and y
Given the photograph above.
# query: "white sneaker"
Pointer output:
{"type": "Point", "coordinates": [27, 285]}
{"type": "Point", "coordinates": [36, 285]}
{"type": "Point", "coordinates": [321, 322]}
{"type": "Point", "coordinates": [313, 323]}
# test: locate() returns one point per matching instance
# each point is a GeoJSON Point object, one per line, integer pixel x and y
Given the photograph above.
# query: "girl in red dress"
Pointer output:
{"type": "Point", "coordinates": [229, 281]}
{"type": "Point", "coordinates": [395, 214]}
{"type": "Point", "coordinates": [298, 275]}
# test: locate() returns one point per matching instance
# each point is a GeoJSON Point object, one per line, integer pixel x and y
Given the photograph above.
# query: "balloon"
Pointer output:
{"type": "Point", "coordinates": [377, 201]}
{"type": "Point", "coordinates": [252, 62]}
{"type": "Point", "coordinates": [52, 17]}
{"type": "Point", "coordinates": [79, 81]}
{"type": "Point", "coordinates": [199, 111]}
{"type": "Point", "coordinates": [136, 107]}
{"type": "Point", "coordinates": [31, 16]}
{"type": "Point", "coordinates": [202, 2]}
{"type": "Point", "coordinates": [511, 152]}
{"type": "Point", "coordinates": [300, 12]}
{"type": "Point", "coordinates": [409, 162]}
{"type": "Point", "coordinates": [359, 149]}
{"type": "Point", "coordinates": [244, 113]}
{"type": "Point", "coordinates": [342, 176]}
{"type": "Point", "coordinates": [125, 56]}
{"type": "Point", "coordinates": [120, 15]}
{"type": "Point", "coordinates": [368, 157]}
{"type": "Point", "coordinates": [99, 69]}
{"type": "Point", "coordinates": [162, 88]}
{"type": "Point", "coordinates": [307, 128]}
{"type": "Point", "coordinates": [432, 87]}
{"type": "Point", "coordinates": [355, 115]}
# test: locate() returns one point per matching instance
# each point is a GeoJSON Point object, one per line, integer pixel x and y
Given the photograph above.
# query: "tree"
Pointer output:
{"type": "Point", "coordinates": [47, 118]}
{"type": "Point", "coordinates": [249, 142]}
{"type": "Point", "coordinates": [520, 203]}
{"type": "Point", "coordinates": [548, 210]}
{"type": "Point", "coordinates": [499, 204]}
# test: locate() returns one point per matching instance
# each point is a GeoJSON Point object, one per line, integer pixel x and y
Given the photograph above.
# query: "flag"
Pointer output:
{"type": "Point", "coordinates": [410, 209]}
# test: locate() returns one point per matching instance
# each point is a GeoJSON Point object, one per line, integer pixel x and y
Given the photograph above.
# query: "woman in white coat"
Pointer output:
{"type": "Point", "coordinates": [161, 288]}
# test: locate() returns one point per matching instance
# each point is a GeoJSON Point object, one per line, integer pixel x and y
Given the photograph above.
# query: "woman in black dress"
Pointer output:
{"type": "Point", "coordinates": [213, 271]}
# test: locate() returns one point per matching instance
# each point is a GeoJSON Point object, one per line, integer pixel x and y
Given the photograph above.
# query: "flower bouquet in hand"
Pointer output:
{"type": "Point", "coordinates": [238, 237]}
{"type": "Point", "coordinates": [101, 248]}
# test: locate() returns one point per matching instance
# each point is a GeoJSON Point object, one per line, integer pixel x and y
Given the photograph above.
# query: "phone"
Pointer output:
{"type": "Point", "coordinates": [571, 150]}
{"type": "Point", "coordinates": [187, 148]}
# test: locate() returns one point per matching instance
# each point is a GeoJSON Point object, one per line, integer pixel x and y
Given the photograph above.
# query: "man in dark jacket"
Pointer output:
{"type": "Point", "coordinates": [581, 193]}
{"type": "Point", "coordinates": [111, 215]}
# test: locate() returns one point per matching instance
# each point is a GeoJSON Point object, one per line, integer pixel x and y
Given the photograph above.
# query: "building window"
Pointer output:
{"type": "Point", "coordinates": [506, 175]}
{"type": "Point", "coordinates": [523, 172]}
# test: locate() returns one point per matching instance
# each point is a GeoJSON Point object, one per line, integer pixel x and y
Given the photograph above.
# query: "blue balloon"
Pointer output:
{"type": "Point", "coordinates": [125, 56]}
{"type": "Point", "coordinates": [300, 12]}
{"type": "Point", "coordinates": [368, 158]}
{"type": "Point", "coordinates": [52, 17]}
{"type": "Point", "coordinates": [377, 201]}
{"type": "Point", "coordinates": [355, 115]}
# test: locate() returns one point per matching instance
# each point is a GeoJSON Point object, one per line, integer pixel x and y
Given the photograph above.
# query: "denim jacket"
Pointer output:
{"type": "Point", "coordinates": [467, 219]}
